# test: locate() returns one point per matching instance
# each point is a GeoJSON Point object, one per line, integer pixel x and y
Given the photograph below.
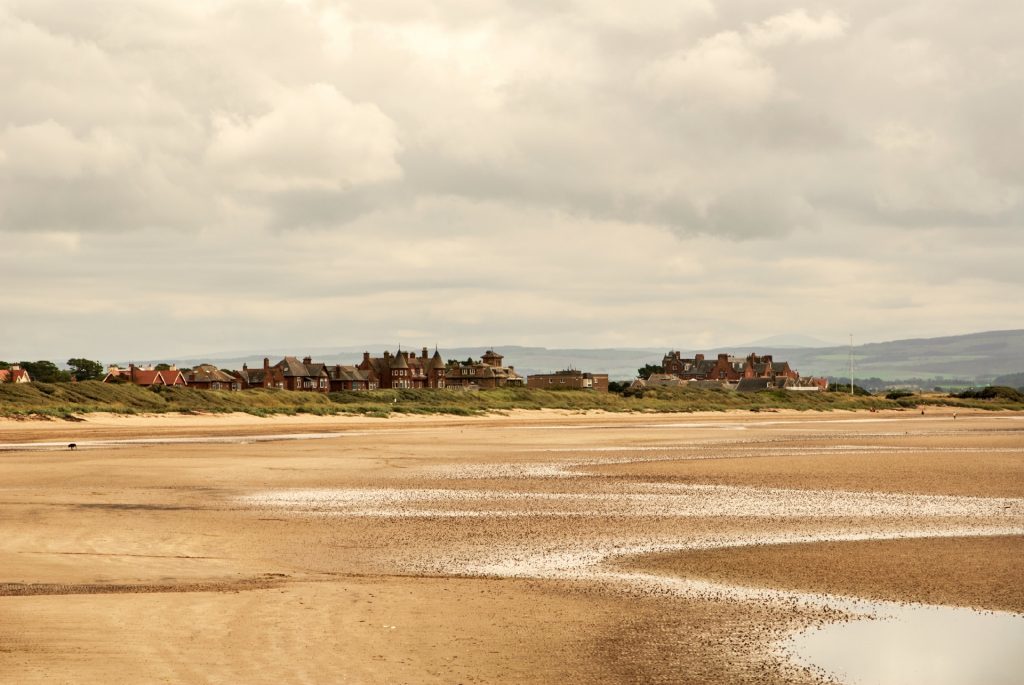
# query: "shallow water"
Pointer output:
{"type": "Point", "coordinates": [913, 644]}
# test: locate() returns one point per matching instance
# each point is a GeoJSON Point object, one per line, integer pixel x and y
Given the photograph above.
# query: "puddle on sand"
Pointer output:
{"type": "Point", "coordinates": [913, 644]}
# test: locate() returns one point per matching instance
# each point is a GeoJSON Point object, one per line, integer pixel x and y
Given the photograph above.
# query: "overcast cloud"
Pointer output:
{"type": "Point", "coordinates": [186, 177]}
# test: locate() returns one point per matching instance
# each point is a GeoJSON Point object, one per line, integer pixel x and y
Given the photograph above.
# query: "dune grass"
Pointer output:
{"type": "Point", "coordinates": [67, 400]}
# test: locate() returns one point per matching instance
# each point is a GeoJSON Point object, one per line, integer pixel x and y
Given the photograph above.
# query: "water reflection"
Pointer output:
{"type": "Point", "coordinates": [918, 644]}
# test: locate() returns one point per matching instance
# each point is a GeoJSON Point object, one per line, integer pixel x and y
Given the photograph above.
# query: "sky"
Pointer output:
{"type": "Point", "coordinates": [182, 178]}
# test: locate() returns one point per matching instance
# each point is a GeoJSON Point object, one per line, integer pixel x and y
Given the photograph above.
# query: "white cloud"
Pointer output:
{"type": "Point", "coordinates": [313, 138]}
{"type": "Point", "coordinates": [721, 69]}
{"type": "Point", "coordinates": [796, 27]}
{"type": "Point", "coordinates": [48, 151]}
{"type": "Point", "coordinates": [609, 159]}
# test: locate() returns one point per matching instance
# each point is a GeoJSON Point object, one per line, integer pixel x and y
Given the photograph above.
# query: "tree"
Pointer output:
{"type": "Point", "coordinates": [5, 365]}
{"type": "Point", "coordinates": [618, 386]}
{"type": "Point", "coordinates": [85, 369]}
{"type": "Point", "coordinates": [162, 367]}
{"type": "Point", "coordinates": [646, 370]}
{"type": "Point", "coordinates": [44, 371]}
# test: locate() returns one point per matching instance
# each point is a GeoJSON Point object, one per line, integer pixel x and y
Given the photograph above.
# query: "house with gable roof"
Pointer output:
{"type": "Point", "coordinates": [147, 377]}
{"type": "Point", "coordinates": [209, 377]}
{"type": "Point", "coordinates": [405, 370]}
{"type": "Point", "coordinates": [15, 374]}
{"type": "Point", "coordinates": [351, 378]}
{"type": "Point", "coordinates": [486, 374]}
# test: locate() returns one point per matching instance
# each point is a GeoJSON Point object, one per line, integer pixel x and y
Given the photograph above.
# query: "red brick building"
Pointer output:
{"type": "Point", "coordinates": [351, 378]}
{"type": "Point", "coordinates": [723, 368]}
{"type": "Point", "coordinates": [486, 374]}
{"type": "Point", "coordinates": [288, 374]}
{"type": "Point", "coordinates": [404, 370]}
{"type": "Point", "coordinates": [730, 369]}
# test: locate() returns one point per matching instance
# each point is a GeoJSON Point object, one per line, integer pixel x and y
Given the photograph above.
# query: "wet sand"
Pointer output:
{"type": "Point", "coordinates": [535, 547]}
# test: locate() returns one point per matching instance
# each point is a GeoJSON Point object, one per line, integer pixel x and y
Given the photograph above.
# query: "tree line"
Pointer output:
{"type": "Point", "coordinates": [45, 371]}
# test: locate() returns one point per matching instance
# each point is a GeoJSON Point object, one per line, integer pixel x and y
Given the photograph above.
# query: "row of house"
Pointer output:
{"type": "Point", "coordinates": [407, 370]}
{"type": "Point", "coordinates": [752, 373]}
{"type": "Point", "coordinates": [401, 370]}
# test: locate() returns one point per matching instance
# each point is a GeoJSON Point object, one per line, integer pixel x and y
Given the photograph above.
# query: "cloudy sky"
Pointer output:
{"type": "Point", "coordinates": [207, 175]}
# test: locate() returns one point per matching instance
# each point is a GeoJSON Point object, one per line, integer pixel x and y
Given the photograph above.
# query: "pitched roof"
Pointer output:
{"type": "Point", "coordinates": [208, 373]}
{"type": "Point", "coordinates": [147, 377]}
{"type": "Point", "coordinates": [753, 384]}
{"type": "Point", "coordinates": [347, 373]}
{"type": "Point", "coordinates": [14, 376]}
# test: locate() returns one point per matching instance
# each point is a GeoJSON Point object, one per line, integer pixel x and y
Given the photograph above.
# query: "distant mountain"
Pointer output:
{"type": "Point", "coordinates": [979, 357]}
{"type": "Point", "coordinates": [789, 341]}
{"type": "Point", "coordinates": [976, 356]}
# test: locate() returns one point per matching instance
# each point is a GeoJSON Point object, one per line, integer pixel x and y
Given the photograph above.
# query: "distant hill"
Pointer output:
{"type": "Point", "coordinates": [979, 357]}
{"type": "Point", "coordinates": [976, 356]}
{"type": "Point", "coordinates": [1012, 380]}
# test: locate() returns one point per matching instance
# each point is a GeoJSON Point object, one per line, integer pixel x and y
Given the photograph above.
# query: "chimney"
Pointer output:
{"type": "Point", "coordinates": [266, 364]}
{"type": "Point", "coordinates": [366, 357]}
{"type": "Point", "coordinates": [245, 367]}
{"type": "Point", "coordinates": [174, 367]}
{"type": "Point", "coordinates": [337, 370]}
{"type": "Point", "coordinates": [424, 355]}
{"type": "Point", "coordinates": [699, 358]}
{"type": "Point", "coordinates": [767, 359]}
{"type": "Point", "coordinates": [723, 357]}
{"type": "Point", "coordinates": [387, 355]}
{"type": "Point", "coordinates": [307, 360]}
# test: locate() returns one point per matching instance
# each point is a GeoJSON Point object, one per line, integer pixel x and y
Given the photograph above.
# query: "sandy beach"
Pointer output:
{"type": "Point", "coordinates": [539, 547]}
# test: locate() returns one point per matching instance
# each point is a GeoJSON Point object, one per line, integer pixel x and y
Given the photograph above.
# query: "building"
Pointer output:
{"type": "Point", "coordinates": [764, 367]}
{"type": "Point", "coordinates": [660, 380]}
{"type": "Point", "coordinates": [406, 371]}
{"type": "Point", "coordinates": [486, 374]}
{"type": "Point", "coordinates": [724, 368]}
{"type": "Point", "coordinates": [288, 374]}
{"type": "Point", "coordinates": [729, 369]}
{"type": "Point", "coordinates": [15, 374]}
{"type": "Point", "coordinates": [569, 379]}
{"type": "Point", "coordinates": [266, 377]}
{"type": "Point", "coordinates": [351, 378]}
{"type": "Point", "coordinates": [209, 377]}
{"type": "Point", "coordinates": [147, 377]}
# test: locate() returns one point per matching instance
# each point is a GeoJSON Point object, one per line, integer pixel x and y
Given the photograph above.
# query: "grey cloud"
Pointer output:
{"type": "Point", "coordinates": [542, 137]}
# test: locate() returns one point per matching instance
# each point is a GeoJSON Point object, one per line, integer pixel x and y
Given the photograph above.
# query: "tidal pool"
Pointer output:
{"type": "Point", "coordinates": [914, 644]}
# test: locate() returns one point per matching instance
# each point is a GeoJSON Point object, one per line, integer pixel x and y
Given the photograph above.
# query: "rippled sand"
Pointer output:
{"type": "Point", "coordinates": [535, 547]}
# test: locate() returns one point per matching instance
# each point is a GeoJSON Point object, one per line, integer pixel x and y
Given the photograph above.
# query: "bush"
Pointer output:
{"type": "Point", "coordinates": [993, 392]}
{"type": "Point", "coordinates": [898, 394]}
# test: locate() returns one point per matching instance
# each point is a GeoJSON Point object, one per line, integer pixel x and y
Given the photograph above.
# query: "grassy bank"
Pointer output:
{"type": "Point", "coordinates": [65, 400]}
